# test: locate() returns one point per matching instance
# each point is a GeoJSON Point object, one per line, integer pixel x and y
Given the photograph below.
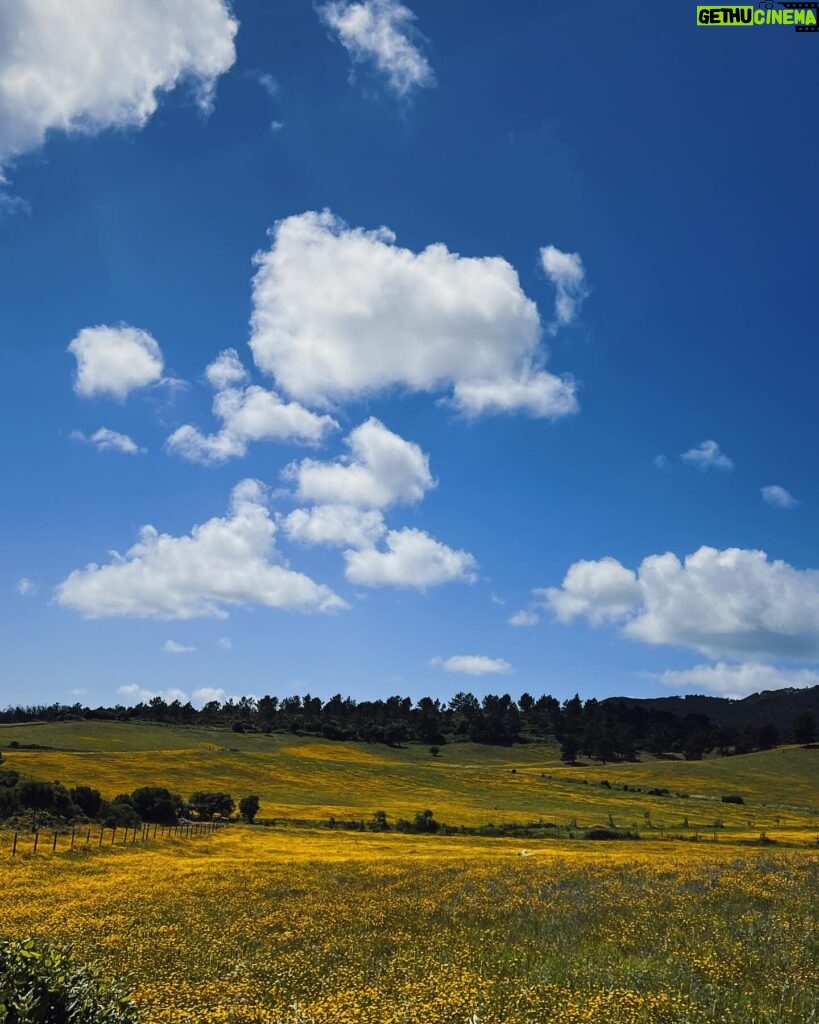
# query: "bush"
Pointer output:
{"type": "Point", "coordinates": [732, 798]}
{"type": "Point", "coordinates": [610, 833]}
{"type": "Point", "coordinates": [39, 984]}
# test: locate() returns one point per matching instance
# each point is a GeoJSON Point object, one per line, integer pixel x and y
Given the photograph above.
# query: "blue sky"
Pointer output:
{"type": "Point", "coordinates": [623, 222]}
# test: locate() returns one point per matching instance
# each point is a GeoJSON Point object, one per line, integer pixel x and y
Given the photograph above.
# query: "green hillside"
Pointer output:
{"type": "Point", "coordinates": [305, 779]}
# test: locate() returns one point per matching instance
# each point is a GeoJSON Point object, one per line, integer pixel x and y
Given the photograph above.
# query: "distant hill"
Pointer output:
{"type": "Point", "coordinates": [777, 707]}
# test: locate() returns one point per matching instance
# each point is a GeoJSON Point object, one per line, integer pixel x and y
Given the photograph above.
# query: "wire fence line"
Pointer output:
{"type": "Point", "coordinates": [50, 841]}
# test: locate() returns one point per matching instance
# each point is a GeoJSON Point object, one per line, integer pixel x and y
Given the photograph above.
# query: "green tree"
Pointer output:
{"type": "Point", "coordinates": [804, 728]}
{"type": "Point", "coordinates": [157, 804]}
{"type": "Point", "coordinates": [249, 808]}
{"type": "Point", "coordinates": [88, 800]}
{"type": "Point", "coordinates": [205, 804]}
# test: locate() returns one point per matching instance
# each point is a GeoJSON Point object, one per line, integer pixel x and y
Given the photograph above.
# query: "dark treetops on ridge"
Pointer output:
{"type": "Point", "coordinates": [613, 729]}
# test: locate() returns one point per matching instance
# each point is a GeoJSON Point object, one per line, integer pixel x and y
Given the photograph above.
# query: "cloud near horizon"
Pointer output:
{"type": "Point", "coordinates": [734, 603]}
{"type": "Point", "coordinates": [738, 681]}
{"type": "Point", "coordinates": [473, 665]}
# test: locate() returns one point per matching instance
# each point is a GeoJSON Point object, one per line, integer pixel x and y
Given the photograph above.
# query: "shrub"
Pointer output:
{"type": "Point", "coordinates": [39, 984]}
{"type": "Point", "coordinates": [732, 798]}
{"type": "Point", "coordinates": [610, 833]}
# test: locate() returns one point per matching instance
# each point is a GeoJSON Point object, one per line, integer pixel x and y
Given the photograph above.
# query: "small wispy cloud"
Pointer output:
{"type": "Point", "coordinates": [381, 33]}
{"type": "Point", "coordinates": [473, 665]}
{"type": "Point", "coordinates": [26, 587]}
{"type": "Point", "coordinates": [172, 647]}
{"type": "Point", "coordinates": [778, 497]}
{"type": "Point", "coordinates": [707, 455]}
{"type": "Point", "coordinates": [524, 618]}
{"type": "Point", "coordinates": [565, 271]}
{"type": "Point", "coordinates": [105, 440]}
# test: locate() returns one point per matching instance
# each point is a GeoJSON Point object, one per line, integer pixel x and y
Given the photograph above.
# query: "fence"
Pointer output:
{"type": "Point", "coordinates": [55, 841]}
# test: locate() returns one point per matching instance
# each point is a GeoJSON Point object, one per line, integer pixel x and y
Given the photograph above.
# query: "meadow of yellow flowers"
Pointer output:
{"type": "Point", "coordinates": [287, 926]}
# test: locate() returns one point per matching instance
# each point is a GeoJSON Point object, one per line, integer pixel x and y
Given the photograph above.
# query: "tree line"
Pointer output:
{"type": "Point", "coordinates": [602, 730]}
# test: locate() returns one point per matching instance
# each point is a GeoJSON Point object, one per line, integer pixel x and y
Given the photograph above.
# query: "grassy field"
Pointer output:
{"type": "Point", "coordinates": [275, 926]}
{"type": "Point", "coordinates": [305, 779]}
{"type": "Point", "coordinates": [302, 924]}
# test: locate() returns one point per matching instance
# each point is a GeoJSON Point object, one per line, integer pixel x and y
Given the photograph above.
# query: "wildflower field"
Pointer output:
{"type": "Point", "coordinates": [308, 780]}
{"type": "Point", "coordinates": [697, 922]}
{"type": "Point", "coordinates": [255, 925]}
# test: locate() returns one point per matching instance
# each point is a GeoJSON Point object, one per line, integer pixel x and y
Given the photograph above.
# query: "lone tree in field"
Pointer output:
{"type": "Point", "coordinates": [249, 808]}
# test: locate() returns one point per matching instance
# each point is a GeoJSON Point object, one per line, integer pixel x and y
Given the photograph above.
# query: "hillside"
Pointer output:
{"type": "Point", "coordinates": [775, 707]}
{"type": "Point", "coordinates": [309, 780]}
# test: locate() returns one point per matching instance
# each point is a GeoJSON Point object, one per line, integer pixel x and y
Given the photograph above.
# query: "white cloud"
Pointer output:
{"type": "Point", "coordinates": [378, 32]}
{"type": "Point", "coordinates": [269, 84]}
{"type": "Point", "coordinates": [778, 497]}
{"type": "Point", "coordinates": [249, 414]}
{"type": "Point", "coordinates": [208, 693]}
{"type": "Point", "coordinates": [565, 271]}
{"type": "Point", "coordinates": [473, 665]}
{"type": "Point", "coordinates": [172, 647]}
{"type": "Point", "coordinates": [731, 603]}
{"type": "Point", "coordinates": [225, 561]}
{"type": "Point", "coordinates": [89, 65]}
{"type": "Point", "coordinates": [707, 455]}
{"type": "Point", "coordinates": [388, 317]}
{"type": "Point", "coordinates": [224, 643]}
{"type": "Point", "coordinates": [660, 462]}
{"type": "Point", "coordinates": [412, 559]}
{"type": "Point", "coordinates": [114, 361]}
{"type": "Point", "coordinates": [106, 440]}
{"type": "Point", "coordinates": [139, 693]}
{"type": "Point", "coordinates": [524, 618]}
{"type": "Point", "coordinates": [226, 371]}
{"type": "Point", "coordinates": [601, 591]}
{"type": "Point", "coordinates": [540, 394]}
{"type": "Point", "coordinates": [382, 470]}
{"type": "Point", "coordinates": [739, 680]}
{"type": "Point", "coordinates": [26, 587]}
{"type": "Point", "coordinates": [335, 526]}
{"type": "Point", "coordinates": [79, 692]}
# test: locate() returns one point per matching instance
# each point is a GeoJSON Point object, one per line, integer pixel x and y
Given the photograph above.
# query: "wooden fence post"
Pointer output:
{"type": "Point", "coordinates": [54, 844]}
{"type": "Point", "coordinates": [14, 846]}
{"type": "Point", "coordinates": [73, 831]}
{"type": "Point", "coordinates": [102, 833]}
{"type": "Point", "coordinates": [36, 838]}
